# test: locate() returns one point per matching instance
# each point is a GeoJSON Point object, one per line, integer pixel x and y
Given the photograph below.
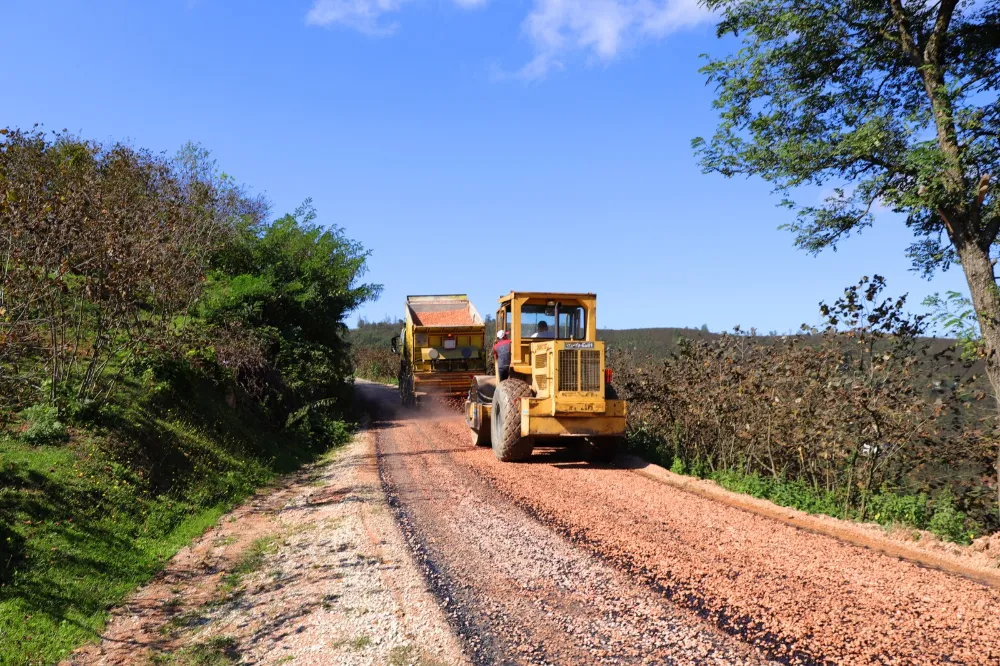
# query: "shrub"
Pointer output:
{"type": "Point", "coordinates": [83, 257]}
{"type": "Point", "coordinates": [287, 286]}
{"type": "Point", "coordinates": [376, 364]}
{"type": "Point", "coordinates": [830, 416]}
{"type": "Point", "coordinates": [41, 425]}
{"type": "Point", "coordinates": [948, 522]}
{"type": "Point", "coordinates": [890, 507]}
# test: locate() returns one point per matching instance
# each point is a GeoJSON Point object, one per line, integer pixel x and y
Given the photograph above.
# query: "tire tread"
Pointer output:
{"type": "Point", "coordinates": [508, 445]}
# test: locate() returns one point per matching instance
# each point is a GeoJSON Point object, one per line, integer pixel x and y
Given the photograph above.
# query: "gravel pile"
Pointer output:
{"type": "Point", "coordinates": [460, 317]}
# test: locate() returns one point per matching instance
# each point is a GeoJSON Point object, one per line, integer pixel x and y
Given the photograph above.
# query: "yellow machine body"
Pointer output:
{"type": "Point", "coordinates": [569, 395]}
{"type": "Point", "coordinates": [438, 354]}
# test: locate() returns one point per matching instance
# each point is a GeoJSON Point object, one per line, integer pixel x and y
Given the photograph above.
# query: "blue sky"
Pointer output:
{"type": "Point", "coordinates": [473, 145]}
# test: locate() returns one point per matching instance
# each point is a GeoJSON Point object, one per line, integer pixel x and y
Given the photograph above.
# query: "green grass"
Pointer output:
{"type": "Point", "coordinates": [359, 643]}
{"type": "Point", "coordinates": [83, 523]}
{"type": "Point", "coordinates": [410, 655]}
{"type": "Point", "coordinates": [887, 507]}
{"type": "Point", "coordinates": [218, 651]}
{"type": "Point", "coordinates": [251, 560]}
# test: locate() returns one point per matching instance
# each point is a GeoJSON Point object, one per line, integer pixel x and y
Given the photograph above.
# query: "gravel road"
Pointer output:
{"type": "Point", "coordinates": [557, 561]}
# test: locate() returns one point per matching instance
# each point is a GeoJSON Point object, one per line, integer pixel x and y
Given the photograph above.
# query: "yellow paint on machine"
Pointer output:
{"type": "Point", "coordinates": [610, 422]}
{"type": "Point", "coordinates": [570, 391]}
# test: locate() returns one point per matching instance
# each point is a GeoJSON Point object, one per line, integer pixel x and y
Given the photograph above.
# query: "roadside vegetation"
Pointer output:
{"type": "Point", "coordinates": [371, 350]}
{"type": "Point", "coordinates": [887, 107]}
{"type": "Point", "coordinates": [863, 418]}
{"type": "Point", "coordinates": [164, 351]}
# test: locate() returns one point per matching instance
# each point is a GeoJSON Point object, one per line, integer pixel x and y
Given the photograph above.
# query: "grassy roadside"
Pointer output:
{"type": "Point", "coordinates": [888, 507]}
{"type": "Point", "coordinates": [85, 521]}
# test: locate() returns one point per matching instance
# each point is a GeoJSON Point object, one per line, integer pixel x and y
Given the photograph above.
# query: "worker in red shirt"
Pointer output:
{"type": "Point", "coordinates": [501, 353]}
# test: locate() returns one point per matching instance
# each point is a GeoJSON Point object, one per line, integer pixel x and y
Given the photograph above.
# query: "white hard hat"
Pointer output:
{"type": "Point", "coordinates": [500, 334]}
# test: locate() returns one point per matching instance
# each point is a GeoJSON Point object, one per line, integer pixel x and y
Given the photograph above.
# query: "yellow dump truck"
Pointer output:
{"type": "Point", "coordinates": [441, 347]}
{"type": "Point", "coordinates": [557, 390]}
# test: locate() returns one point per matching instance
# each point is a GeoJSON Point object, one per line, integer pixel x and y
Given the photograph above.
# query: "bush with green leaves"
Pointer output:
{"type": "Point", "coordinates": [88, 284]}
{"type": "Point", "coordinates": [196, 358]}
{"type": "Point", "coordinates": [41, 425]}
{"type": "Point", "coordinates": [948, 522]}
{"type": "Point", "coordinates": [861, 411]}
{"type": "Point", "coordinates": [376, 364]}
{"type": "Point", "coordinates": [286, 287]}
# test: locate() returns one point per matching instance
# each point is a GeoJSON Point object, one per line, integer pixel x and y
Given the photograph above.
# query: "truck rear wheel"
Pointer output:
{"type": "Point", "coordinates": [508, 445]}
{"type": "Point", "coordinates": [406, 394]}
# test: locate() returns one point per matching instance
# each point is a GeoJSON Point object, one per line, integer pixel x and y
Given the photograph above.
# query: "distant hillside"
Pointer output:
{"type": "Point", "coordinates": [642, 341]}
{"type": "Point", "coordinates": [657, 342]}
{"type": "Point", "coordinates": [374, 334]}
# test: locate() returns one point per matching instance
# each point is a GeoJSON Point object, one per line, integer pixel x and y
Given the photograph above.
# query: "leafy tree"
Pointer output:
{"type": "Point", "coordinates": [102, 246]}
{"type": "Point", "coordinates": [288, 284]}
{"type": "Point", "coordinates": [894, 102]}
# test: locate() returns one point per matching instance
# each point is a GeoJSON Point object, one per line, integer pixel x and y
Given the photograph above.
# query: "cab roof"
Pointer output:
{"type": "Point", "coordinates": [549, 295]}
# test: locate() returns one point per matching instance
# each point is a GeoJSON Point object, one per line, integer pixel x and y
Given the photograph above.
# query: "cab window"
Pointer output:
{"type": "Point", "coordinates": [551, 322]}
{"type": "Point", "coordinates": [572, 323]}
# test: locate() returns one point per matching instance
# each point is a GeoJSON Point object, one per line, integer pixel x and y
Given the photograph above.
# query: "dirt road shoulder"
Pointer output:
{"type": "Point", "coordinates": [312, 572]}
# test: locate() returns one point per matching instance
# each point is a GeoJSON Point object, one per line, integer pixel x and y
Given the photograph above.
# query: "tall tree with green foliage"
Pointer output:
{"type": "Point", "coordinates": [285, 288]}
{"type": "Point", "coordinates": [892, 102]}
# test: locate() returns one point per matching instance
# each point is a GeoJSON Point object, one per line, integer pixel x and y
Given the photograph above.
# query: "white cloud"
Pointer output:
{"type": "Point", "coordinates": [602, 28]}
{"type": "Point", "coordinates": [557, 29]}
{"type": "Point", "coordinates": [365, 16]}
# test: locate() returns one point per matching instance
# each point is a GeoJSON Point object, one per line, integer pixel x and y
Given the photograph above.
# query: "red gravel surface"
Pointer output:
{"type": "Point", "coordinates": [460, 317]}
{"type": "Point", "coordinates": [561, 561]}
{"type": "Point", "coordinates": [517, 591]}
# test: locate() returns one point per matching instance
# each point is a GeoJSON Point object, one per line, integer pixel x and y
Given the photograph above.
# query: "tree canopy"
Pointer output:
{"type": "Point", "coordinates": [892, 103]}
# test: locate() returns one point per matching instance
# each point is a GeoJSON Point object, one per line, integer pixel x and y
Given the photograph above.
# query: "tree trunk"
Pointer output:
{"type": "Point", "coordinates": [986, 300]}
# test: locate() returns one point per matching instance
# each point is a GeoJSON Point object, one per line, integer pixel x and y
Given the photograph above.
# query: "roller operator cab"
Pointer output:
{"type": "Point", "coordinates": [558, 390]}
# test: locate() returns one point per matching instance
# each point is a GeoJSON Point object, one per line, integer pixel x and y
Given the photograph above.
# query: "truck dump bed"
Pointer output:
{"type": "Point", "coordinates": [445, 343]}
{"type": "Point", "coordinates": [442, 311]}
